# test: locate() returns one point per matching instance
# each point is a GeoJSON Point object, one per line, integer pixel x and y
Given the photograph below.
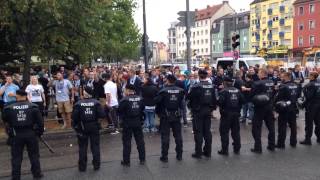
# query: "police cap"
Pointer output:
{"type": "Point", "coordinates": [21, 93]}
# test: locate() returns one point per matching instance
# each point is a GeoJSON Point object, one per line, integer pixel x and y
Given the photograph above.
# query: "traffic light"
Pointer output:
{"type": "Point", "coordinates": [235, 41]}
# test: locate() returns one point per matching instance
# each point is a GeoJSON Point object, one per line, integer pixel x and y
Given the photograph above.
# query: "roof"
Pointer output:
{"type": "Point", "coordinates": [208, 12]}
{"type": "Point", "coordinates": [257, 1]}
{"type": "Point", "coordinates": [303, 1]}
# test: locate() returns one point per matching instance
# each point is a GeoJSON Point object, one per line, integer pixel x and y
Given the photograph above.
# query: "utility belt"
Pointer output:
{"type": "Point", "coordinates": [90, 126]}
{"type": "Point", "coordinates": [173, 115]}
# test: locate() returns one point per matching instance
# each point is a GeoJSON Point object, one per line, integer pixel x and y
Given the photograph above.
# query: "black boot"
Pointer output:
{"type": "Point", "coordinates": [306, 142]}
{"type": "Point", "coordinates": [164, 159]}
{"type": "Point", "coordinates": [125, 164]}
{"type": "Point", "coordinates": [257, 151]}
{"type": "Point", "coordinates": [179, 157]}
{"type": "Point", "coordinates": [196, 156]}
{"type": "Point", "coordinates": [223, 152]}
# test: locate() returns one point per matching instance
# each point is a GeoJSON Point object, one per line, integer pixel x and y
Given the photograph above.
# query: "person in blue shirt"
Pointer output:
{"type": "Point", "coordinates": [8, 91]}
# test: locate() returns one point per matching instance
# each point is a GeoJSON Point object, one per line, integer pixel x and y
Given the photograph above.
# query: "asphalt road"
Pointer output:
{"type": "Point", "coordinates": [301, 163]}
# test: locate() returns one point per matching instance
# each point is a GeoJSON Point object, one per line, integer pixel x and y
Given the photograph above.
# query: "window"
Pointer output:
{"type": "Point", "coordinates": [201, 32]}
{"type": "Point", "coordinates": [207, 41]}
{"type": "Point", "coordinates": [311, 8]}
{"type": "Point", "coordinates": [194, 34]}
{"type": "Point", "coordinates": [300, 41]}
{"type": "Point", "coordinates": [197, 33]}
{"type": "Point", "coordinates": [194, 42]}
{"type": "Point", "coordinates": [311, 24]}
{"type": "Point", "coordinates": [201, 50]}
{"type": "Point", "coordinates": [264, 20]}
{"type": "Point", "coordinates": [201, 41]}
{"type": "Point", "coordinates": [198, 42]}
{"type": "Point", "coordinates": [312, 40]}
{"type": "Point", "coordinates": [182, 43]}
{"type": "Point", "coordinates": [206, 22]}
{"type": "Point", "coordinates": [207, 50]}
{"type": "Point", "coordinates": [301, 27]}
{"type": "Point", "coordinates": [301, 10]}
{"type": "Point", "coordinates": [206, 31]}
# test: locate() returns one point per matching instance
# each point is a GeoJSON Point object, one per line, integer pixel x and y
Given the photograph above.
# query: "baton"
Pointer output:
{"type": "Point", "coordinates": [47, 145]}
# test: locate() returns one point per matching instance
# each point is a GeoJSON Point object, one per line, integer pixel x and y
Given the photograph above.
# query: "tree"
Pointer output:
{"type": "Point", "coordinates": [84, 30]}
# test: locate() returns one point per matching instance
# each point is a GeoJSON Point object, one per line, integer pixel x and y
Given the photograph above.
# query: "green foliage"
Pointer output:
{"type": "Point", "coordinates": [82, 29]}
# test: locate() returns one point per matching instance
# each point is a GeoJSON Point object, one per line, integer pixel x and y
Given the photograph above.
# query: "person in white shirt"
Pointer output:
{"type": "Point", "coordinates": [36, 93]}
{"type": "Point", "coordinates": [110, 89]}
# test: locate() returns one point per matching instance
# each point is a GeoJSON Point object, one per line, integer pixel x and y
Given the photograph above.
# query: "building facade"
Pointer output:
{"type": "Point", "coordinates": [159, 52]}
{"type": "Point", "coordinates": [200, 32]}
{"type": "Point", "coordinates": [224, 28]}
{"type": "Point", "coordinates": [172, 53]}
{"type": "Point", "coordinates": [306, 24]}
{"type": "Point", "coordinates": [271, 25]}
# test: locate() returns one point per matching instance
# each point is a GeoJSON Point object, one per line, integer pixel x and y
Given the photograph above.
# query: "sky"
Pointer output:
{"type": "Point", "coordinates": [160, 13]}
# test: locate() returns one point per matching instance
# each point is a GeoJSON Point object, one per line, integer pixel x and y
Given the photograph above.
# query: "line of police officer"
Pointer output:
{"type": "Point", "coordinates": [24, 121]}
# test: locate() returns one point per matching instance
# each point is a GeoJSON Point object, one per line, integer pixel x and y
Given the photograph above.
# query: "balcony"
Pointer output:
{"type": "Point", "coordinates": [270, 12]}
{"type": "Point", "coordinates": [282, 22]}
{"type": "Point", "coordinates": [269, 37]}
{"type": "Point", "coordinates": [281, 34]}
{"type": "Point", "coordinates": [270, 23]}
{"type": "Point", "coordinates": [282, 9]}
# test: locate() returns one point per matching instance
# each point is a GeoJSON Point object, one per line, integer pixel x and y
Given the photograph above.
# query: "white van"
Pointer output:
{"type": "Point", "coordinates": [245, 62]}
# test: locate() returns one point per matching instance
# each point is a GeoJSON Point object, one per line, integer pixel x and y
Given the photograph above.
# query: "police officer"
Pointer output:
{"type": "Point", "coordinates": [24, 123]}
{"type": "Point", "coordinates": [230, 102]}
{"type": "Point", "coordinates": [85, 121]}
{"type": "Point", "coordinates": [312, 96]}
{"type": "Point", "coordinates": [131, 110]}
{"type": "Point", "coordinates": [169, 106]}
{"type": "Point", "coordinates": [202, 101]}
{"type": "Point", "coordinates": [263, 93]}
{"type": "Point", "coordinates": [286, 100]}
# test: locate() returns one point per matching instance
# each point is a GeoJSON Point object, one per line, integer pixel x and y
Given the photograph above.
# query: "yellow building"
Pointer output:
{"type": "Point", "coordinates": [271, 26]}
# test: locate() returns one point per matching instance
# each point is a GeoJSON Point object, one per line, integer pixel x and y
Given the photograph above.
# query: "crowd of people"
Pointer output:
{"type": "Point", "coordinates": [129, 99]}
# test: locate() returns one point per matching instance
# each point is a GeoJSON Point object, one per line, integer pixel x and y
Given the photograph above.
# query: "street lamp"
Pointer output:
{"type": "Point", "coordinates": [145, 38]}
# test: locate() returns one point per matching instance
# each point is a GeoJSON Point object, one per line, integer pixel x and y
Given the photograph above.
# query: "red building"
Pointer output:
{"type": "Point", "coordinates": [306, 29]}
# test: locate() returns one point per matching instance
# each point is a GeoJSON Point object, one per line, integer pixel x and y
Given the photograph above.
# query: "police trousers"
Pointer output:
{"type": "Point", "coordinates": [265, 114]}
{"type": "Point", "coordinates": [287, 118]}
{"type": "Point", "coordinates": [312, 117]}
{"type": "Point", "coordinates": [202, 132]}
{"type": "Point", "coordinates": [83, 141]}
{"type": "Point", "coordinates": [165, 127]}
{"type": "Point", "coordinates": [19, 142]}
{"type": "Point", "coordinates": [230, 121]}
{"type": "Point", "coordinates": [126, 140]}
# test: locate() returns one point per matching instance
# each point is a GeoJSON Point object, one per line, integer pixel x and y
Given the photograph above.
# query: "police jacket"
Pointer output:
{"type": "Point", "coordinates": [86, 114]}
{"type": "Point", "coordinates": [23, 119]}
{"type": "Point", "coordinates": [131, 111]}
{"type": "Point", "coordinates": [312, 92]}
{"type": "Point", "coordinates": [202, 95]}
{"type": "Point", "coordinates": [289, 92]}
{"type": "Point", "coordinates": [264, 87]}
{"type": "Point", "coordinates": [169, 99]}
{"type": "Point", "coordinates": [230, 100]}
